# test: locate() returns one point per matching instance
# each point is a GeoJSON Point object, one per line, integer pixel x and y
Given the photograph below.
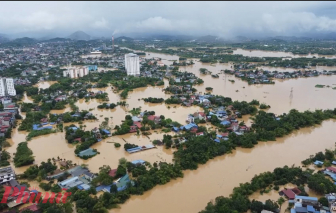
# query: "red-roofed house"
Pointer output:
{"type": "Point", "coordinates": [193, 130]}
{"type": "Point", "coordinates": [78, 139]}
{"type": "Point", "coordinates": [331, 169]}
{"type": "Point", "coordinates": [199, 115]}
{"type": "Point", "coordinates": [289, 194]}
{"type": "Point", "coordinates": [225, 134]}
{"type": "Point", "coordinates": [113, 172]}
{"type": "Point", "coordinates": [154, 118]}
{"type": "Point", "coordinates": [133, 129]}
{"type": "Point", "coordinates": [199, 134]}
{"type": "Point", "coordinates": [33, 208]}
{"type": "Point", "coordinates": [138, 124]}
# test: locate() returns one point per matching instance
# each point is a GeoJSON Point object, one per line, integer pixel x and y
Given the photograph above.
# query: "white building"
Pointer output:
{"type": "Point", "coordinates": [132, 65]}
{"type": "Point", "coordinates": [6, 174]}
{"type": "Point", "coordinates": [7, 87]}
{"type": "Point", "coordinates": [76, 72]}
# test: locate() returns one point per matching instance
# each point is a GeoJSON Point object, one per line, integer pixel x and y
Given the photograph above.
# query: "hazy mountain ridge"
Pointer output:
{"type": "Point", "coordinates": [79, 35]}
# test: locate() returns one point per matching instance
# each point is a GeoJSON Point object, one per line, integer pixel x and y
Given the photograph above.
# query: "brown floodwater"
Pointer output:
{"type": "Point", "coordinates": [44, 84]}
{"type": "Point", "coordinates": [304, 96]}
{"type": "Point", "coordinates": [218, 176]}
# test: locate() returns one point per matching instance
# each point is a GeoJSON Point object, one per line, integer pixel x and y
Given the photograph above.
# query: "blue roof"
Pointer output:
{"type": "Point", "coordinates": [106, 131]}
{"type": "Point", "coordinates": [73, 128]}
{"type": "Point", "coordinates": [189, 126]}
{"type": "Point", "coordinates": [36, 127]}
{"type": "Point", "coordinates": [306, 198]}
{"type": "Point", "coordinates": [176, 129]}
{"type": "Point", "coordinates": [310, 208]}
{"type": "Point", "coordinates": [293, 211]}
{"type": "Point", "coordinates": [219, 136]}
{"type": "Point", "coordinates": [138, 161]}
{"type": "Point", "coordinates": [101, 187]}
{"type": "Point", "coordinates": [221, 112]}
{"type": "Point", "coordinates": [34, 191]}
{"type": "Point", "coordinates": [318, 162]}
{"type": "Point", "coordinates": [135, 149]}
{"type": "Point", "coordinates": [225, 122]}
{"type": "Point", "coordinates": [217, 140]}
{"type": "Point", "coordinates": [87, 152]}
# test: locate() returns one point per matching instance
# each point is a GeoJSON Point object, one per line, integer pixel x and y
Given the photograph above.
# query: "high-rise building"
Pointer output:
{"type": "Point", "coordinates": [75, 72]}
{"type": "Point", "coordinates": [7, 87]}
{"type": "Point", "coordinates": [132, 65]}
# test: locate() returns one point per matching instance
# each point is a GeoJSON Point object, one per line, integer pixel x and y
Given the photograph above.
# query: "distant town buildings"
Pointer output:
{"type": "Point", "coordinates": [76, 72]}
{"type": "Point", "coordinates": [7, 87]}
{"type": "Point", "coordinates": [132, 65]}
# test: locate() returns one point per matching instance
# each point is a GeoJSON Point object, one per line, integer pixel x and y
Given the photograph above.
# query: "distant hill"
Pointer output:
{"type": "Point", "coordinates": [173, 37]}
{"type": "Point", "coordinates": [79, 35]}
{"type": "Point", "coordinates": [57, 39]}
{"type": "Point", "coordinates": [208, 38]}
{"type": "Point", "coordinates": [3, 38]}
{"type": "Point", "coordinates": [24, 40]}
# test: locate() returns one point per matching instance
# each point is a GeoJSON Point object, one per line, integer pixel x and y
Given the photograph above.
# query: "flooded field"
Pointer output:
{"type": "Point", "coordinates": [220, 175]}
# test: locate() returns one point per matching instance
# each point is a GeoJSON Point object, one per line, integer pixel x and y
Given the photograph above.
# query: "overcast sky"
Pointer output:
{"type": "Point", "coordinates": [224, 19]}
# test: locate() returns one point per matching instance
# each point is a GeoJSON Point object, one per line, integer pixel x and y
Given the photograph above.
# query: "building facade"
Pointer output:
{"type": "Point", "coordinates": [132, 64]}
{"type": "Point", "coordinates": [76, 72]}
{"type": "Point", "coordinates": [7, 87]}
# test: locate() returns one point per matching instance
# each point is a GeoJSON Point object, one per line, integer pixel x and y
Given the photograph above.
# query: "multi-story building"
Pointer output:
{"type": "Point", "coordinates": [76, 72]}
{"type": "Point", "coordinates": [7, 87]}
{"type": "Point", "coordinates": [6, 174]}
{"type": "Point", "coordinates": [132, 65]}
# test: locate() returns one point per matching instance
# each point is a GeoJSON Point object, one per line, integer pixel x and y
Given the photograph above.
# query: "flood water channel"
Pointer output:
{"type": "Point", "coordinates": [220, 175]}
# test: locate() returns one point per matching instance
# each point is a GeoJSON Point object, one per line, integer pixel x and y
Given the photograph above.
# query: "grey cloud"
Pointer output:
{"type": "Point", "coordinates": [225, 19]}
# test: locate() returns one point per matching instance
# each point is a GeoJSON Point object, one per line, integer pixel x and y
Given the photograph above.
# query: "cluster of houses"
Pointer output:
{"type": "Point", "coordinates": [266, 77]}
{"type": "Point", "coordinates": [306, 204]}
{"type": "Point", "coordinates": [8, 178]}
{"type": "Point", "coordinates": [7, 116]}
{"type": "Point", "coordinates": [137, 121]}
{"type": "Point", "coordinates": [121, 182]}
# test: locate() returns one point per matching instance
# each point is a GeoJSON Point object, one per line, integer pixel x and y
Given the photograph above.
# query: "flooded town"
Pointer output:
{"type": "Point", "coordinates": [167, 123]}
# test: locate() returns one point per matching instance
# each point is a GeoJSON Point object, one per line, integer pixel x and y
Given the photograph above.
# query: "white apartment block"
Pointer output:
{"type": "Point", "coordinates": [132, 65]}
{"type": "Point", "coordinates": [7, 87]}
{"type": "Point", "coordinates": [6, 174]}
{"type": "Point", "coordinates": [76, 72]}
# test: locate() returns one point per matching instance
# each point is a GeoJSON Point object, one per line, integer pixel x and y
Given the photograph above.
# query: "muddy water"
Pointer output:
{"type": "Point", "coordinates": [219, 176]}
{"type": "Point", "coordinates": [55, 145]}
{"type": "Point", "coordinates": [44, 84]}
{"type": "Point", "coordinates": [283, 69]}
{"type": "Point", "coordinates": [261, 53]}
{"type": "Point", "coordinates": [270, 94]}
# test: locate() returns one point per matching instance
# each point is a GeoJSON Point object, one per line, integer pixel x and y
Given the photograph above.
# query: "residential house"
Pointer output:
{"type": "Point", "coordinates": [70, 182]}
